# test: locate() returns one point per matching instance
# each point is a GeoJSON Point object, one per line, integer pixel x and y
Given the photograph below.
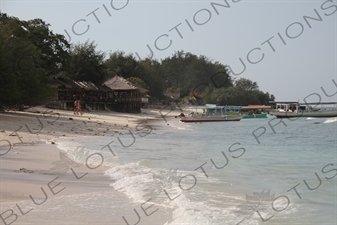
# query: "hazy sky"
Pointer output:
{"type": "Point", "coordinates": [288, 47]}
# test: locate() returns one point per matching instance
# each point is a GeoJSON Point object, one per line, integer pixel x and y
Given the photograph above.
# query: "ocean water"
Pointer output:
{"type": "Point", "coordinates": [256, 171]}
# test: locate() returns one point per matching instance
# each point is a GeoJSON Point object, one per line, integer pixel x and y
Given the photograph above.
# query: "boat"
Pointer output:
{"type": "Point", "coordinates": [296, 109]}
{"type": "Point", "coordinates": [248, 112]}
{"type": "Point", "coordinates": [254, 111]}
{"type": "Point", "coordinates": [255, 115]}
{"type": "Point", "coordinates": [210, 113]}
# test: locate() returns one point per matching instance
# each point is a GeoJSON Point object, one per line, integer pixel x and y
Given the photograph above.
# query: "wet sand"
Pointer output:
{"type": "Point", "coordinates": [29, 157]}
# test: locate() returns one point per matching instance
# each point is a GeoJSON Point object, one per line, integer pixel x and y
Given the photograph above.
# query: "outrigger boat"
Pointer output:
{"type": "Point", "coordinates": [296, 109]}
{"type": "Point", "coordinates": [254, 111]}
{"type": "Point", "coordinates": [248, 112]}
{"type": "Point", "coordinates": [210, 113]}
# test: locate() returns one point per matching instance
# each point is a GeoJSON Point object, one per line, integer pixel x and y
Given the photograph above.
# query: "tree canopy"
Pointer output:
{"type": "Point", "coordinates": [31, 54]}
{"type": "Point", "coordinates": [138, 82]}
{"type": "Point", "coordinates": [246, 84]}
{"type": "Point", "coordinates": [188, 71]}
{"type": "Point", "coordinates": [86, 63]}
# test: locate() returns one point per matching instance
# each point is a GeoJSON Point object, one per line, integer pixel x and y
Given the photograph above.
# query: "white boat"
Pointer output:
{"type": "Point", "coordinates": [296, 109]}
{"type": "Point", "coordinates": [210, 113]}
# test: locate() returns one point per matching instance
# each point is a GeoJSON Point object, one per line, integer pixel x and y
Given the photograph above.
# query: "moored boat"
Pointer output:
{"type": "Point", "coordinates": [210, 113]}
{"type": "Point", "coordinates": [254, 111]}
{"type": "Point", "coordinates": [255, 115]}
{"type": "Point", "coordinates": [296, 109]}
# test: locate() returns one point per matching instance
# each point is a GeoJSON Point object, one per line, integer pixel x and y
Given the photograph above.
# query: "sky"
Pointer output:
{"type": "Point", "coordinates": [288, 47]}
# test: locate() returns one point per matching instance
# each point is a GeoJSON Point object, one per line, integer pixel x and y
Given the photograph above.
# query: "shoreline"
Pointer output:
{"type": "Point", "coordinates": [28, 152]}
{"type": "Point", "coordinates": [24, 135]}
{"type": "Point", "coordinates": [96, 194]}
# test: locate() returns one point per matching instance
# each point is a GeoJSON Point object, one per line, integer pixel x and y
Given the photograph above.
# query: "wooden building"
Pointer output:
{"type": "Point", "coordinates": [93, 96]}
{"type": "Point", "coordinates": [128, 96]}
{"type": "Point", "coordinates": [116, 94]}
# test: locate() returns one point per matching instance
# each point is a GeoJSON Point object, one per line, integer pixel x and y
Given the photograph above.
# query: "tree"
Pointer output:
{"type": "Point", "coordinates": [138, 82]}
{"type": "Point", "coordinates": [182, 71]}
{"type": "Point", "coordinates": [31, 54]}
{"type": "Point", "coordinates": [246, 84]}
{"type": "Point", "coordinates": [52, 48]}
{"type": "Point", "coordinates": [150, 72]}
{"type": "Point", "coordinates": [237, 96]}
{"type": "Point", "coordinates": [188, 71]}
{"type": "Point", "coordinates": [120, 64]}
{"type": "Point", "coordinates": [86, 63]}
{"type": "Point", "coordinates": [173, 89]}
{"type": "Point", "coordinates": [23, 75]}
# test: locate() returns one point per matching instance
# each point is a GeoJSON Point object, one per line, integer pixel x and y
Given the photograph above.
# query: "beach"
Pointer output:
{"type": "Point", "coordinates": [148, 168]}
{"type": "Point", "coordinates": [30, 155]}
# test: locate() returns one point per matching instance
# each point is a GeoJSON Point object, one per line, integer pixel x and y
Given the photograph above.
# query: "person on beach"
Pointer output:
{"type": "Point", "coordinates": [75, 107]}
{"type": "Point", "coordinates": [79, 107]}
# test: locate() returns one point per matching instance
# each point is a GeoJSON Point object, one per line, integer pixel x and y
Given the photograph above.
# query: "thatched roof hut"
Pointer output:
{"type": "Point", "coordinates": [118, 83]}
{"type": "Point", "coordinates": [116, 94]}
{"type": "Point", "coordinates": [128, 95]}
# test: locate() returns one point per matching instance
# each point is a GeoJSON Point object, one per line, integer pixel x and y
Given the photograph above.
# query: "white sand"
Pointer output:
{"type": "Point", "coordinates": [27, 151]}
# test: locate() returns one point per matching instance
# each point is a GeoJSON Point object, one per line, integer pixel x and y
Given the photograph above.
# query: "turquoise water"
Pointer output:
{"type": "Point", "coordinates": [213, 173]}
{"type": "Point", "coordinates": [220, 173]}
{"type": "Point", "coordinates": [282, 162]}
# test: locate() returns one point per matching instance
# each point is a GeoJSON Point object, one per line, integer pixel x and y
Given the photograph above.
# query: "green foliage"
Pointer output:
{"type": "Point", "coordinates": [86, 63]}
{"type": "Point", "coordinates": [23, 73]}
{"type": "Point", "coordinates": [187, 71]}
{"type": "Point", "coordinates": [31, 54]}
{"type": "Point", "coordinates": [52, 48]}
{"type": "Point", "coordinates": [190, 75]}
{"type": "Point", "coordinates": [173, 89]}
{"type": "Point", "coordinates": [138, 82]}
{"type": "Point", "coordinates": [120, 64]}
{"type": "Point", "coordinates": [246, 84]}
{"type": "Point", "coordinates": [149, 71]}
{"type": "Point", "coordinates": [237, 96]}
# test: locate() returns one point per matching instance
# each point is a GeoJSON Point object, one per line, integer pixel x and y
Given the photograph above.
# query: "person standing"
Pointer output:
{"type": "Point", "coordinates": [79, 107]}
{"type": "Point", "coordinates": [75, 107]}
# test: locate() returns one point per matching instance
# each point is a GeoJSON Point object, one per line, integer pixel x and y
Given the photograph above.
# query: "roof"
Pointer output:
{"type": "Point", "coordinates": [114, 84]}
{"type": "Point", "coordinates": [256, 107]}
{"type": "Point", "coordinates": [305, 103]}
{"type": "Point", "coordinates": [119, 83]}
{"type": "Point", "coordinates": [86, 85]}
{"type": "Point", "coordinates": [205, 107]}
{"type": "Point", "coordinates": [228, 107]}
{"type": "Point", "coordinates": [65, 82]}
